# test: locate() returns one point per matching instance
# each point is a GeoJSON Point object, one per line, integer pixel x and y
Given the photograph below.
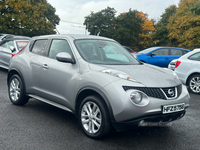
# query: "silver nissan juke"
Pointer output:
{"type": "Point", "coordinates": [96, 79]}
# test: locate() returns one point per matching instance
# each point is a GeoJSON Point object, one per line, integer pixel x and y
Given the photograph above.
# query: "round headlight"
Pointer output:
{"type": "Point", "coordinates": [136, 97]}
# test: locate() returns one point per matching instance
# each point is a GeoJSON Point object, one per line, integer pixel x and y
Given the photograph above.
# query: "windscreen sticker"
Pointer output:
{"type": "Point", "coordinates": [22, 44]}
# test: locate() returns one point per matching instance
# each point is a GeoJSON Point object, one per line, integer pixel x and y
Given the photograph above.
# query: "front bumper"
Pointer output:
{"type": "Point", "coordinates": [125, 112]}
{"type": "Point", "coordinates": [148, 120]}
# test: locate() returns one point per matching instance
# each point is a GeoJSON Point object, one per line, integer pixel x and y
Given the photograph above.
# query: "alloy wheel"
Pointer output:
{"type": "Point", "coordinates": [14, 89]}
{"type": "Point", "coordinates": [91, 117]}
{"type": "Point", "coordinates": [195, 84]}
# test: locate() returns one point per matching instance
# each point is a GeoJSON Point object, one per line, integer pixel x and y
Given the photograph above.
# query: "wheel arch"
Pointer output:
{"type": "Point", "coordinates": [194, 73]}
{"type": "Point", "coordinates": [11, 73]}
{"type": "Point", "coordinates": [84, 92]}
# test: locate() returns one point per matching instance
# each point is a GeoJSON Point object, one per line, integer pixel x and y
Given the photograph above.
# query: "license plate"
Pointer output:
{"type": "Point", "coordinates": [173, 108]}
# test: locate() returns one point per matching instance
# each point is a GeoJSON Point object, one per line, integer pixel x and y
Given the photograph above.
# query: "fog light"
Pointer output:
{"type": "Point", "coordinates": [136, 97]}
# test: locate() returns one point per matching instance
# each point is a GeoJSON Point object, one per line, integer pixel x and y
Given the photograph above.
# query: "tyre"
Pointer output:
{"type": "Point", "coordinates": [93, 117]}
{"type": "Point", "coordinates": [194, 84]}
{"type": "Point", "coordinates": [16, 91]}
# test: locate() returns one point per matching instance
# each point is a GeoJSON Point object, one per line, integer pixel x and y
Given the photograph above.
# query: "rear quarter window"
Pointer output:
{"type": "Point", "coordinates": [39, 47]}
{"type": "Point", "coordinates": [195, 56]}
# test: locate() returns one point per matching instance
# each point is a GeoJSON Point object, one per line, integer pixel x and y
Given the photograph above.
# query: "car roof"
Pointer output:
{"type": "Point", "coordinates": [171, 47]}
{"type": "Point", "coordinates": [14, 39]}
{"type": "Point", "coordinates": [17, 38]}
{"type": "Point", "coordinates": [190, 53]}
{"type": "Point", "coordinates": [74, 36]}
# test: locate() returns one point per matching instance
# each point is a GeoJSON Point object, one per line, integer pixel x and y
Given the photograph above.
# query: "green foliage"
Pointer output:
{"type": "Point", "coordinates": [101, 22]}
{"type": "Point", "coordinates": [27, 17]}
{"type": "Point", "coordinates": [125, 28]}
{"type": "Point", "coordinates": [184, 25]}
{"type": "Point", "coordinates": [160, 36]}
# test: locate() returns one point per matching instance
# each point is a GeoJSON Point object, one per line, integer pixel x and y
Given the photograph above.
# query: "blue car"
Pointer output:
{"type": "Point", "coordinates": [161, 56]}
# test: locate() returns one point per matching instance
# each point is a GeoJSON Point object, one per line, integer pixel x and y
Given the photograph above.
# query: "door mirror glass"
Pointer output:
{"type": "Point", "coordinates": [65, 57]}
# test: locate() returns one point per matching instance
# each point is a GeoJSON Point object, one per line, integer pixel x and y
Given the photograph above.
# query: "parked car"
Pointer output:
{"type": "Point", "coordinates": [161, 56]}
{"type": "Point", "coordinates": [188, 70]}
{"type": "Point", "coordinates": [172, 64]}
{"type": "Point", "coordinates": [11, 46]}
{"type": "Point", "coordinates": [76, 73]}
{"type": "Point", "coordinates": [129, 49]}
{"type": "Point", "coordinates": [4, 36]}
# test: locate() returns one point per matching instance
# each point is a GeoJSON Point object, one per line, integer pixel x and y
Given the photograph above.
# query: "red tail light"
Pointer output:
{"type": "Point", "coordinates": [13, 54]}
{"type": "Point", "coordinates": [177, 63]}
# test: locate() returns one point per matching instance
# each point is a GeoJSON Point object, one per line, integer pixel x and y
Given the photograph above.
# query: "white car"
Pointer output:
{"type": "Point", "coordinates": [172, 64]}
{"type": "Point", "coordinates": [188, 70]}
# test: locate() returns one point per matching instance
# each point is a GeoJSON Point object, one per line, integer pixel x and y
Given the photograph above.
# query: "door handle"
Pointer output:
{"type": "Point", "coordinates": [45, 66]}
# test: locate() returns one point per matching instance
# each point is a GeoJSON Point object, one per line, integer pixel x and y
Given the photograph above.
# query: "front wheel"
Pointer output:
{"type": "Point", "coordinates": [16, 91]}
{"type": "Point", "coordinates": [194, 84]}
{"type": "Point", "coordinates": [93, 117]}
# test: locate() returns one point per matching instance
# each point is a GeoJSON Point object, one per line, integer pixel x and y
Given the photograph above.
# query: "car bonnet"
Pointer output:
{"type": "Point", "coordinates": [148, 75]}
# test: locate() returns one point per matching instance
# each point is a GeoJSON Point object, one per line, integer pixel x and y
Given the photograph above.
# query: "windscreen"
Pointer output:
{"type": "Point", "coordinates": [21, 44]}
{"type": "Point", "coordinates": [145, 51]}
{"type": "Point", "coordinates": [104, 52]}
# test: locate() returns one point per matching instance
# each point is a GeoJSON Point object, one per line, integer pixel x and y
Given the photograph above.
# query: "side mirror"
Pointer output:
{"type": "Point", "coordinates": [65, 57]}
{"type": "Point", "coordinates": [12, 48]}
{"type": "Point", "coordinates": [153, 54]}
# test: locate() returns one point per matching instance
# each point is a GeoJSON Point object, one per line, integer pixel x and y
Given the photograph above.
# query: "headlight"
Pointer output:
{"type": "Point", "coordinates": [136, 97]}
{"type": "Point", "coordinates": [116, 73]}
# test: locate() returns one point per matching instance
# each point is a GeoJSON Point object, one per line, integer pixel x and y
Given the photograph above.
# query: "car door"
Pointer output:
{"type": "Point", "coordinates": [58, 78]}
{"type": "Point", "coordinates": [159, 57]}
{"type": "Point", "coordinates": [6, 53]}
{"type": "Point", "coordinates": [38, 49]}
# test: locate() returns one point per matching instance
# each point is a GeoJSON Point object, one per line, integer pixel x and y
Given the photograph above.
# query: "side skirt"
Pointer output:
{"type": "Point", "coordinates": [50, 102]}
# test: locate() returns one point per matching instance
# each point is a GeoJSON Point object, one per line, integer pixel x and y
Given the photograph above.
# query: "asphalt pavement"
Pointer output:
{"type": "Point", "coordinates": [39, 126]}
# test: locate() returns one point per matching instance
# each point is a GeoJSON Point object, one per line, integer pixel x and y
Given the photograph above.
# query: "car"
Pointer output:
{"type": "Point", "coordinates": [78, 74]}
{"type": "Point", "coordinates": [172, 64]}
{"type": "Point", "coordinates": [188, 70]}
{"type": "Point", "coordinates": [161, 56]}
{"type": "Point", "coordinates": [4, 36]}
{"type": "Point", "coordinates": [129, 49]}
{"type": "Point", "coordinates": [9, 47]}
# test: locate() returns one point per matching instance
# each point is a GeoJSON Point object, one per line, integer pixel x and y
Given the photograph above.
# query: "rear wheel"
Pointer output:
{"type": "Point", "coordinates": [194, 84]}
{"type": "Point", "coordinates": [93, 117]}
{"type": "Point", "coordinates": [16, 91]}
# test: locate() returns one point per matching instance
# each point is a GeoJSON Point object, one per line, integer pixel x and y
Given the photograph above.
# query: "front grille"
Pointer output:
{"type": "Point", "coordinates": [162, 93]}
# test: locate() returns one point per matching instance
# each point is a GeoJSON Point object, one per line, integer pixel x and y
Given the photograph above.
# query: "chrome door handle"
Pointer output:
{"type": "Point", "coordinates": [45, 66]}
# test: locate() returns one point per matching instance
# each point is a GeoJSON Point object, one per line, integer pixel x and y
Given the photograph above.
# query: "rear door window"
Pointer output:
{"type": "Point", "coordinates": [176, 52]}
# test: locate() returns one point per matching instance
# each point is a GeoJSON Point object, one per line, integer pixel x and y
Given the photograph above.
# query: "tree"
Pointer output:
{"type": "Point", "coordinates": [160, 36]}
{"type": "Point", "coordinates": [101, 22]}
{"type": "Point", "coordinates": [145, 39]}
{"type": "Point", "coordinates": [132, 28]}
{"type": "Point", "coordinates": [127, 28]}
{"type": "Point", "coordinates": [27, 17]}
{"type": "Point", "coordinates": [184, 25]}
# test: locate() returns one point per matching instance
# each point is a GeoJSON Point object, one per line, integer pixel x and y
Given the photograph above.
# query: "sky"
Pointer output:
{"type": "Point", "coordinates": [72, 12]}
